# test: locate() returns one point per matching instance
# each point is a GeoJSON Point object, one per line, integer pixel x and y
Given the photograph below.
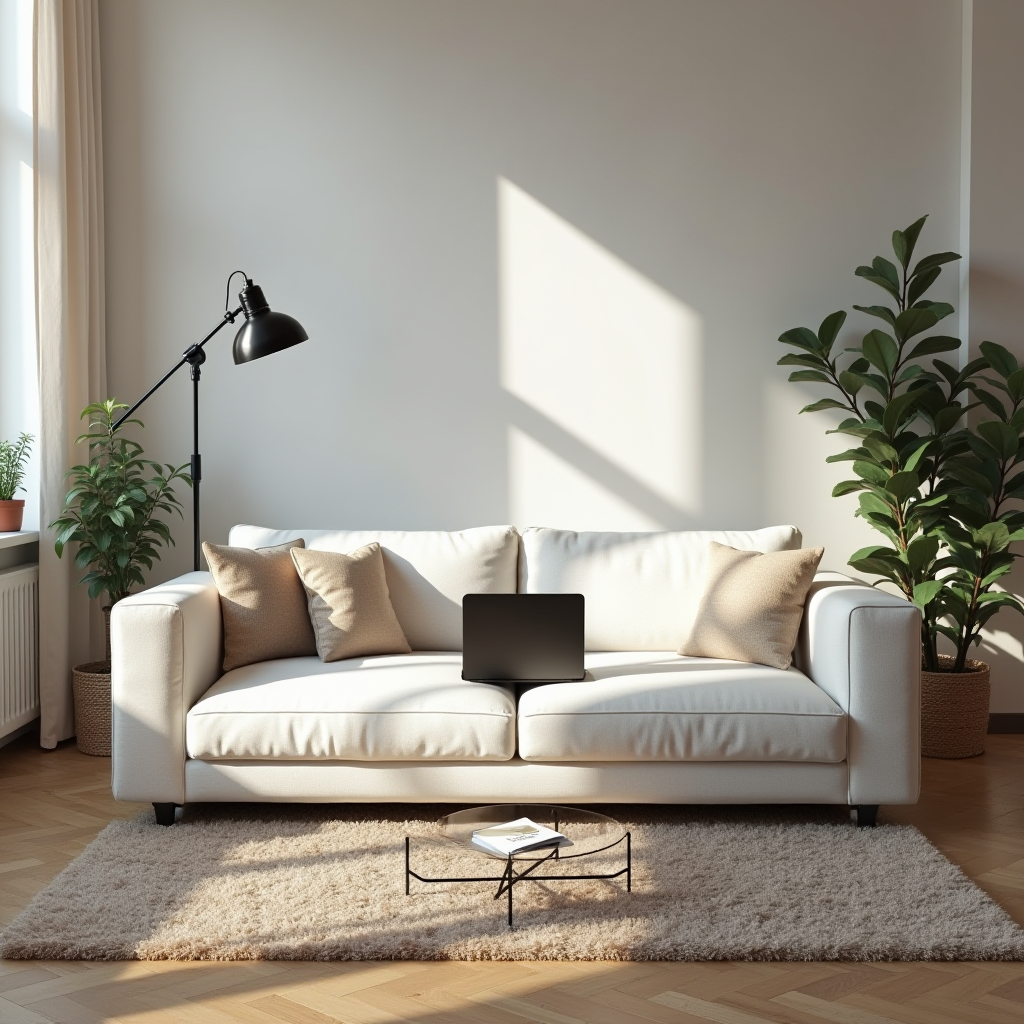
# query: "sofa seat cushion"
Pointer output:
{"type": "Point", "coordinates": [649, 706]}
{"type": "Point", "coordinates": [413, 707]}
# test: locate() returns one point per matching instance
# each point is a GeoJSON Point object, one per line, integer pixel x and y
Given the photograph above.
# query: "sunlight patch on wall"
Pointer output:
{"type": "Point", "coordinates": [605, 355]}
{"type": "Point", "coordinates": [548, 491]}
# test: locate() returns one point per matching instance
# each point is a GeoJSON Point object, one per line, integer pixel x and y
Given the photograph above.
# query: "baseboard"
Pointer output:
{"type": "Point", "coordinates": [1006, 722]}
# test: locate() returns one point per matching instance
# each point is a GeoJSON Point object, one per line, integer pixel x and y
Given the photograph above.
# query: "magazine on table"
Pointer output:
{"type": "Point", "coordinates": [517, 837]}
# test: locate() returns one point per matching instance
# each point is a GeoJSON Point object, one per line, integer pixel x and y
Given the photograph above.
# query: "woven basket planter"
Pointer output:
{"type": "Point", "coordinates": [91, 683]}
{"type": "Point", "coordinates": [954, 710]}
{"type": "Point", "coordinates": [91, 687]}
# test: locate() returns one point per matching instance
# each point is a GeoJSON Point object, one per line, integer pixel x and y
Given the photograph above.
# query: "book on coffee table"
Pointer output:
{"type": "Point", "coordinates": [517, 837]}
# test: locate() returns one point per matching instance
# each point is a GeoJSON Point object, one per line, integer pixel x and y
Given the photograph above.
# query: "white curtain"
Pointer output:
{"type": "Point", "coordinates": [69, 320]}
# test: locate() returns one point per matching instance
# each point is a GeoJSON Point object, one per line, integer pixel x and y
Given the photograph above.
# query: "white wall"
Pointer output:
{"type": "Point", "coordinates": [997, 255]}
{"type": "Point", "coordinates": [542, 248]}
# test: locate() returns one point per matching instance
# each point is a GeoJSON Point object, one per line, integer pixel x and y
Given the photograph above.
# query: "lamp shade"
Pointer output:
{"type": "Point", "coordinates": [264, 331]}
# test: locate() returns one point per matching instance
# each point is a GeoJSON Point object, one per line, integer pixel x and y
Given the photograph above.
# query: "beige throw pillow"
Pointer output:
{"type": "Point", "coordinates": [752, 605]}
{"type": "Point", "coordinates": [263, 604]}
{"type": "Point", "coordinates": [349, 603]}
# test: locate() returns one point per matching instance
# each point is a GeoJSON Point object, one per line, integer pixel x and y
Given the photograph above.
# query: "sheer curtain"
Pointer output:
{"type": "Point", "coordinates": [69, 319]}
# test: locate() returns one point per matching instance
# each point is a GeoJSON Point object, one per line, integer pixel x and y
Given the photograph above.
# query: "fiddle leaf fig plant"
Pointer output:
{"type": "Point", "coordinates": [935, 489]}
{"type": "Point", "coordinates": [986, 484]}
{"type": "Point", "coordinates": [113, 506]}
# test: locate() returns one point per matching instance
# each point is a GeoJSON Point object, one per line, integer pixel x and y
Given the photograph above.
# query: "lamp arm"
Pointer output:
{"type": "Point", "coordinates": [190, 354]}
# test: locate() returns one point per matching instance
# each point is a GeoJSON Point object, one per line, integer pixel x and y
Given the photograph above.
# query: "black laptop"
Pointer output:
{"type": "Point", "coordinates": [522, 638]}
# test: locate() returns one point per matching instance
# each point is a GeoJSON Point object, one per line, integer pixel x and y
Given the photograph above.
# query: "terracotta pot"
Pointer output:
{"type": "Point", "coordinates": [11, 515]}
{"type": "Point", "coordinates": [954, 710]}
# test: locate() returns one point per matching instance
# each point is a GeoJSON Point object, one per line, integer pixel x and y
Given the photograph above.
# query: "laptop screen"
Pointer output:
{"type": "Point", "coordinates": [522, 637]}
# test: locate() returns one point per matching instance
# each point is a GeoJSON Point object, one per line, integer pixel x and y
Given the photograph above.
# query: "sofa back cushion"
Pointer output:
{"type": "Point", "coordinates": [427, 571]}
{"type": "Point", "coordinates": [642, 589]}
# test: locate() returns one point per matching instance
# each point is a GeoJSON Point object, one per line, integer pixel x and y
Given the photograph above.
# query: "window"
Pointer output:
{"type": "Point", "coordinates": [19, 397]}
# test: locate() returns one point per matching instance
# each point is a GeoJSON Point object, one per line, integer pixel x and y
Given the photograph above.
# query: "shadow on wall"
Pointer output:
{"type": "Point", "coordinates": [601, 379]}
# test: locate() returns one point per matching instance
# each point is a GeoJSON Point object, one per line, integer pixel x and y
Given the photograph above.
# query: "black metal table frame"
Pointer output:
{"type": "Point", "coordinates": [510, 877]}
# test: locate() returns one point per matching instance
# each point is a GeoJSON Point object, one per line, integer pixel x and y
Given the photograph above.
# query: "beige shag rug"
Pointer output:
{"type": "Point", "coordinates": [327, 883]}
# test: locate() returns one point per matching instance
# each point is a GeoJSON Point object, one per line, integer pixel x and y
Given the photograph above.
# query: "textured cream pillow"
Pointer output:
{"type": "Point", "coordinates": [263, 604]}
{"type": "Point", "coordinates": [349, 604]}
{"type": "Point", "coordinates": [752, 605]}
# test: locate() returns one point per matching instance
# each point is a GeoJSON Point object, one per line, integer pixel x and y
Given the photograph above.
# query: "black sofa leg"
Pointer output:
{"type": "Point", "coordinates": [867, 815]}
{"type": "Point", "coordinates": [165, 813]}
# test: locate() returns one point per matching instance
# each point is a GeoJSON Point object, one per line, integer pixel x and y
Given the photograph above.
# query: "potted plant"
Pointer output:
{"type": "Point", "coordinates": [936, 489]}
{"type": "Point", "coordinates": [111, 514]}
{"type": "Point", "coordinates": [13, 459]}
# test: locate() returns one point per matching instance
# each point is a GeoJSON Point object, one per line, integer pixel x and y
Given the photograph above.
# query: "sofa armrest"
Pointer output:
{"type": "Point", "coordinates": [862, 646]}
{"type": "Point", "coordinates": [165, 647]}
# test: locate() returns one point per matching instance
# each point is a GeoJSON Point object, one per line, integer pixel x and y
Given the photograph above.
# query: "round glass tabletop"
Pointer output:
{"type": "Point", "coordinates": [589, 831]}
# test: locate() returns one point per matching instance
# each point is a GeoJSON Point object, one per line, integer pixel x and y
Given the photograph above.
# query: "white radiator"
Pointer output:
{"type": "Point", "coordinates": [19, 647]}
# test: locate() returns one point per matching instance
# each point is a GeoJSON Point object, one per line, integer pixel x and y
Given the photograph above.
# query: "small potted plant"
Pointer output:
{"type": "Point", "coordinates": [111, 513]}
{"type": "Point", "coordinates": [13, 459]}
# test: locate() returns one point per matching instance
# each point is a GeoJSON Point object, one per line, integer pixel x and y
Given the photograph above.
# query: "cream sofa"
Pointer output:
{"type": "Point", "coordinates": [646, 726]}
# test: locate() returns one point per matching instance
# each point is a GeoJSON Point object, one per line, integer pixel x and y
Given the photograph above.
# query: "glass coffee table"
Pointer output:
{"type": "Point", "coordinates": [589, 831]}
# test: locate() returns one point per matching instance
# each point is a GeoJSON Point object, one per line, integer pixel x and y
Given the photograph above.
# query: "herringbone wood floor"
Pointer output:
{"type": "Point", "coordinates": [53, 803]}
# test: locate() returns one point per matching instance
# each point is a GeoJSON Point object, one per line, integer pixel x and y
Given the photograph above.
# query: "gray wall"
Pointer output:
{"type": "Point", "coordinates": [542, 249]}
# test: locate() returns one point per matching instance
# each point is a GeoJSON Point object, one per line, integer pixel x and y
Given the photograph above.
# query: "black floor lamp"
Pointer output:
{"type": "Point", "coordinates": [263, 333]}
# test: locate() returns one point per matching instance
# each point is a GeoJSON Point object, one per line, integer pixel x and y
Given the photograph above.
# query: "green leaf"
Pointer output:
{"type": "Point", "coordinates": [869, 275]}
{"type": "Point", "coordinates": [897, 411]}
{"type": "Point", "coordinates": [881, 351]}
{"type": "Point", "coordinates": [997, 574]}
{"type": "Point", "coordinates": [909, 373]}
{"type": "Point", "coordinates": [847, 487]}
{"type": "Point", "coordinates": [921, 551]}
{"type": "Point", "coordinates": [940, 309]}
{"type": "Point", "coordinates": [999, 358]}
{"type": "Point", "coordinates": [914, 321]}
{"type": "Point", "coordinates": [990, 401]}
{"type": "Point", "coordinates": [853, 382]}
{"type": "Point", "coordinates": [882, 312]}
{"type": "Point", "coordinates": [931, 346]}
{"type": "Point", "coordinates": [869, 471]}
{"type": "Point", "coordinates": [883, 268]}
{"type": "Point", "coordinates": [879, 553]}
{"type": "Point", "coordinates": [815, 376]}
{"type": "Point", "coordinates": [1002, 437]}
{"type": "Point", "coordinates": [830, 328]}
{"type": "Point", "coordinates": [1015, 384]}
{"type": "Point", "coordinates": [925, 593]}
{"type": "Point", "coordinates": [795, 359]}
{"type": "Point", "coordinates": [968, 476]}
{"type": "Point", "coordinates": [911, 235]}
{"type": "Point", "coordinates": [899, 247]}
{"type": "Point", "coordinates": [903, 486]}
{"type": "Point", "coordinates": [801, 337]}
{"type": "Point", "coordinates": [935, 260]}
{"type": "Point", "coordinates": [881, 451]}
{"type": "Point", "coordinates": [918, 454]}
{"type": "Point", "coordinates": [920, 284]}
{"type": "Point", "coordinates": [824, 403]}
{"type": "Point", "coordinates": [993, 536]}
